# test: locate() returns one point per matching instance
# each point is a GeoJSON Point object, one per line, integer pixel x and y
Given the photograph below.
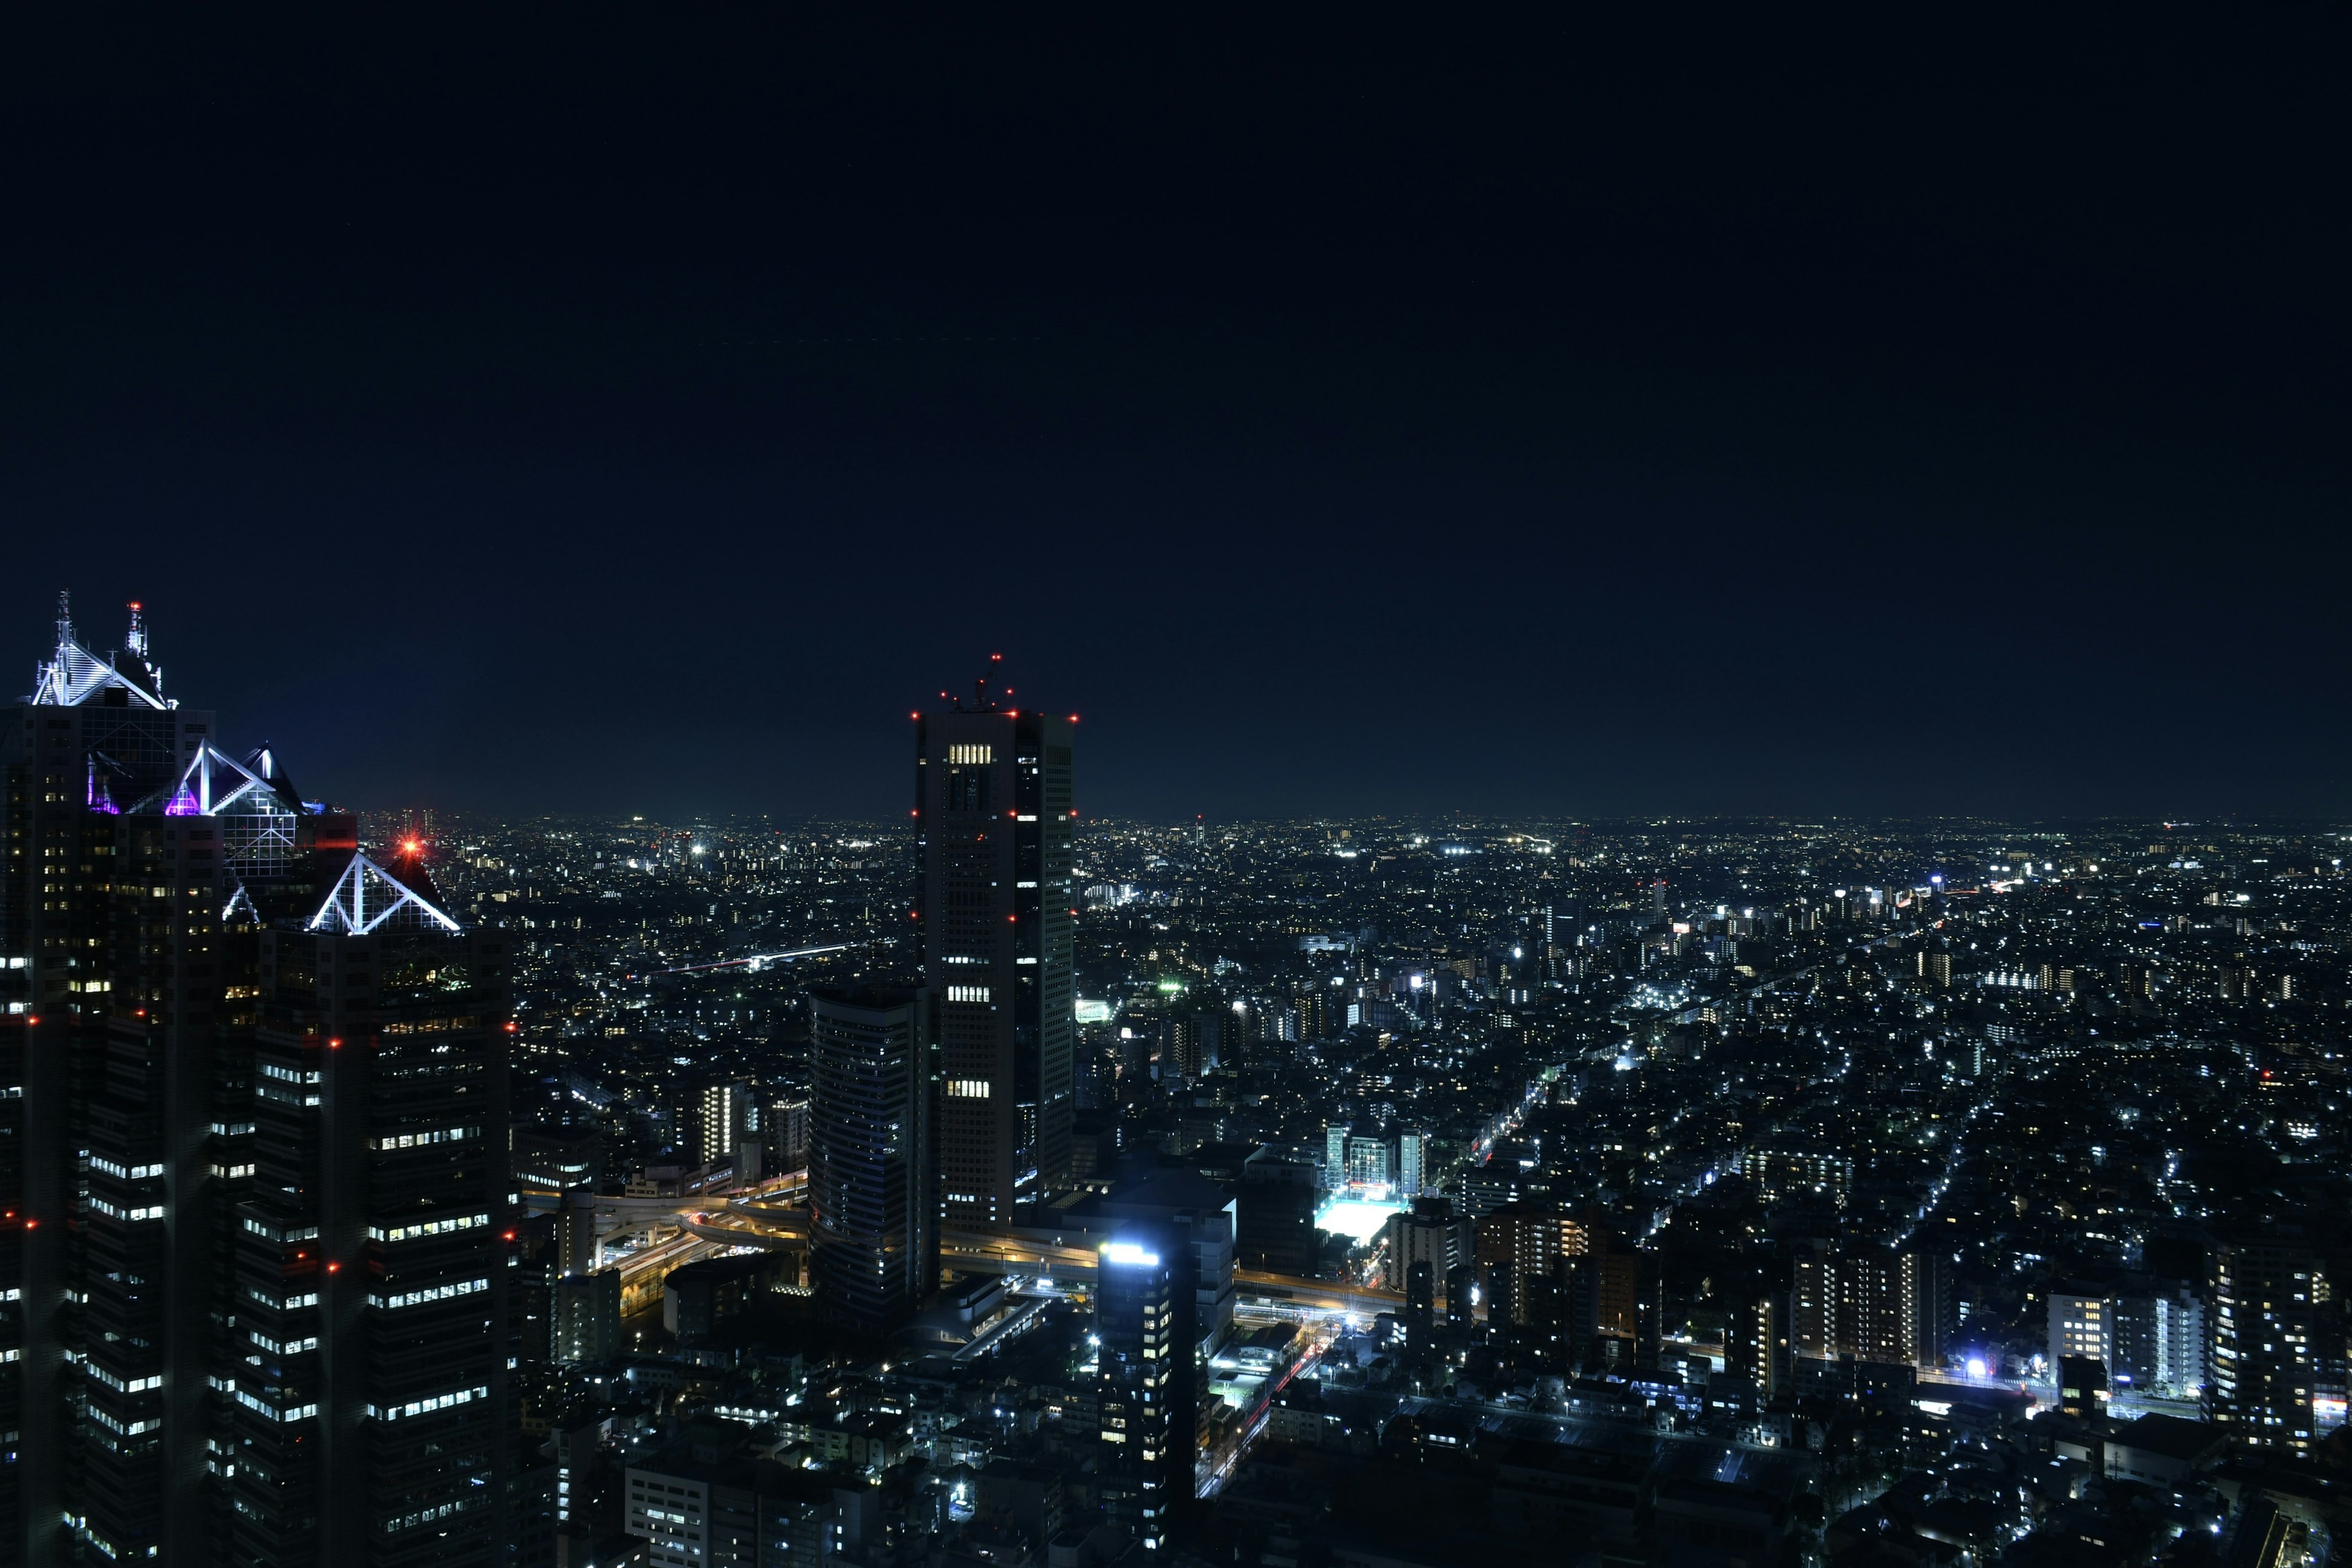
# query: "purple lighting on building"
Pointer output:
{"type": "Point", "coordinates": [183, 804]}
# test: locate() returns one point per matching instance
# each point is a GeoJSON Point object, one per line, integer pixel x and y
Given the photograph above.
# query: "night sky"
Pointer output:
{"type": "Point", "coordinates": [1765, 410]}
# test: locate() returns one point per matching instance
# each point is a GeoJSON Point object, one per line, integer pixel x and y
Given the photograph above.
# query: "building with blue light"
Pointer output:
{"type": "Point", "coordinates": [1143, 1319]}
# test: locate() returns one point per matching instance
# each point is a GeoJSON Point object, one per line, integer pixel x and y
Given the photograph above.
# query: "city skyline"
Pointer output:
{"type": "Point", "coordinates": [807, 787]}
{"type": "Point", "coordinates": [430, 1186]}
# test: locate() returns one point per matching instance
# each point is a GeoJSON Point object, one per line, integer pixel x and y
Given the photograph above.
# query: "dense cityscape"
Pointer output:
{"type": "Point", "coordinates": [991, 1182]}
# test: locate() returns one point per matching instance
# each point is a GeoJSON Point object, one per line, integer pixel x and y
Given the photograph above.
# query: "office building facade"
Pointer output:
{"type": "Point", "coordinates": [371, 1418]}
{"type": "Point", "coordinates": [153, 873]}
{"type": "Point", "coordinates": [1143, 1319]}
{"type": "Point", "coordinates": [993, 814]}
{"type": "Point", "coordinates": [2266, 1361]}
{"type": "Point", "coordinates": [873, 1185]}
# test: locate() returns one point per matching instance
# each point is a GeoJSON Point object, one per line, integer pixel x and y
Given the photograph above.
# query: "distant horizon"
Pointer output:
{"type": "Point", "coordinates": [1501, 822]}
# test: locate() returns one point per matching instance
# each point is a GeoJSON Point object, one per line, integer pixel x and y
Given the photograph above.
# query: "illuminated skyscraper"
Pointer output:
{"type": "Point", "coordinates": [157, 872]}
{"type": "Point", "coordinates": [729, 1119]}
{"type": "Point", "coordinates": [993, 816]}
{"type": "Point", "coordinates": [97, 910]}
{"type": "Point", "coordinates": [1144, 1321]}
{"type": "Point", "coordinates": [371, 1422]}
{"type": "Point", "coordinates": [2266, 1292]}
{"type": "Point", "coordinates": [873, 1209]}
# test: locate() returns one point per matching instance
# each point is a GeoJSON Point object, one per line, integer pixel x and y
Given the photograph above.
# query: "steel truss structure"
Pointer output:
{"type": "Point", "coordinates": [368, 899]}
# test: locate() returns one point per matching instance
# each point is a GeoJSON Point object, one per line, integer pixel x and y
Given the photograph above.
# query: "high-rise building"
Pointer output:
{"type": "Point", "coordinates": [1518, 1246]}
{"type": "Point", "coordinates": [729, 1117]}
{"type": "Point", "coordinates": [585, 1314]}
{"type": "Point", "coordinates": [1143, 1319]}
{"type": "Point", "coordinates": [371, 1419]}
{"type": "Point", "coordinates": [1182, 1060]}
{"type": "Point", "coordinates": [2266, 1292]}
{"type": "Point", "coordinates": [1369, 1160]}
{"type": "Point", "coordinates": [143, 939]}
{"type": "Point", "coordinates": [1757, 1344]}
{"type": "Point", "coordinates": [874, 1227]}
{"type": "Point", "coordinates": [993, 816]}
{"type": "Point", "coordinates": [98, 735]}
{"type": "Point", "coordinates": [1412, 1147]}
{"type": "Point", "coordinates": [784, 1124]}
{"type": "Point", "coordinates": [2081, 1324]}
{"type": "Point", "coordinates": [1871, 1304]}
{"type": "Point", "coordinates": [583, 1300]}
{"type": "Point", "coordinates": [1430, 1233]}
{"type": "Point", "coordinates": [1189, 1211]}
{"type": "Point", "coordinates": [1274, 1221]}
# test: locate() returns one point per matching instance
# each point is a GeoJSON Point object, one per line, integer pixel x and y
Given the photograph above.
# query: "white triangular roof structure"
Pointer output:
{"type": "Point", "coordinates": [217, 782]}
{"type": "Point", "coordinates": [74, 675]}
{"type": "Point", "coordinates": [240, 906]}
{"type": "Point", "coordinates": [367, 897]}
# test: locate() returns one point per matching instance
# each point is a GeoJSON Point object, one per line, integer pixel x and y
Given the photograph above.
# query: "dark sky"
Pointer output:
{"type": "Point", "coordinates": [1771, 409]}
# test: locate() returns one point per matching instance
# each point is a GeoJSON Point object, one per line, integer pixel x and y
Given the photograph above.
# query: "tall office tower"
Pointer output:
{"type": "Point", "coordinates": [135, 926]}
{"type": "Point", "coordinates": [1410, 1148]}
{"type": "Point", "coordinates": [1274, 1221]}
{"type": "Point", "coordinates": [993, 819]}
{"type": "Point", "coordinates": [2265, 1368]}
{"type": "Point", "coordinates": [12, 1277]}
{"type": "Point", "coordinates": [730, 1117]}
{"type": "Point", "coordinates": [873, 1208]}
{"type": "Point", "coordinates": [583, 1300]}
{"type": "Point", "coordinates": [371, 1419]}
{"type": "Point", "coordinates": [784, 1124]}
{"type": "Point", "coordinates": [96, 734]}
{"type": "Point", "coordinates": [137, 935]}
{"type": "Point", "coordinates": [1143, 1316]}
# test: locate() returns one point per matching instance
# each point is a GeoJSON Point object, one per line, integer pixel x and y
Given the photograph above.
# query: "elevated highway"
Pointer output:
{"type": "Point", "coordinates": [772, 1217]}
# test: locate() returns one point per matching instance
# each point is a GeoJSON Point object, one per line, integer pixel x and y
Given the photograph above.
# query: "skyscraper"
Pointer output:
{"type": "Point", "coordinates": [155, 872]}
{"type": "Point", "coordinates": [1144, 1320]}
{"type": "Point", "coordinates": [372, 1421]}
{"type": "Point", "coordinates": [994, 818]}
{"type": "Point", "coordinates": [2265, 1359]}
{"type": "Point", "coordinates": [95, 736]}
{"type": "Point", "coordinates": [873, 1225]}
{"type": "Point", "coordinates": [729, 1118]}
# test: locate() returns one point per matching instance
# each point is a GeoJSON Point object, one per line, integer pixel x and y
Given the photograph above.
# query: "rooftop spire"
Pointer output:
{"type": "Point", "coordinates": [135, 639]}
